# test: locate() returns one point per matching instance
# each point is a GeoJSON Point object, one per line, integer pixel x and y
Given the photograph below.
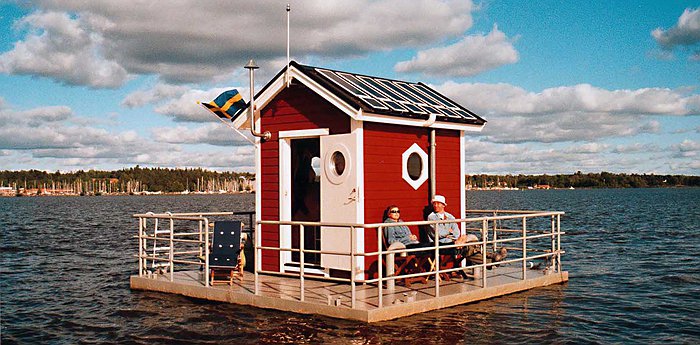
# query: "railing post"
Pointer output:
{"type": "Point", "coordinates": [558, 243]}
{"type": "Point", "coordinates": [257, 256]}
{"type": "Point", "coordinates": [206, 252]}
{"type": "Point", "coordinates": [141, 221]}
{"type": "Point", "coordinates": [172, 248]}
{"type": "Point", "coordinates": [553, 241]}
{"type": "Point", "coordinates": [524, 235]}
{"type": "Point", "coordinates": [437, 259]}
{"type": "Point", "coordinates": [352, 267]}
{"type": "Point", "coordinates": [484, 239]}
{"type": "Point", "coordinates": [301, 261]}
{"type": "Point", "coordinates": [495, 227]}
{"type": "Point", "coordinates": [199, 224]}
{"type": "Point", "coordinates": [380, 272]}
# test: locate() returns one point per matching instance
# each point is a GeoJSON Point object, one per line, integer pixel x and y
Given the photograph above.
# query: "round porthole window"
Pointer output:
{"type": "Point", "coordinates": [338, 163]}
{"type": "Point", "coordinates": [414, 165]}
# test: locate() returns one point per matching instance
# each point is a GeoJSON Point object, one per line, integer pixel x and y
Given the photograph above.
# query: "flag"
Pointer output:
{"type": "Point", "coordinates": [227, 105]}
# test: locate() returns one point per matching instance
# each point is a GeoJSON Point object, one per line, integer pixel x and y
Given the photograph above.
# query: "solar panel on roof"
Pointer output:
{"type": "Point", "coordinates": [353, 89]}
{"type": "Point", "coordinates": [449, 104]}
{"type": "Point", "coordinates": [388, 87]}
{"type": "Point", "coordinates": [394, 96]}
{"type": "Point", "coordinates": [342, 82]}
{"type": "Point", "coordinates": [405, 93]}
{"type": "Point", "coordinates": [375, 93]}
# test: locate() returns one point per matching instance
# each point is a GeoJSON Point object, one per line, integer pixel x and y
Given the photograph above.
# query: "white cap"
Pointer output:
{"type": "Point", "coordinates": [440, 198]}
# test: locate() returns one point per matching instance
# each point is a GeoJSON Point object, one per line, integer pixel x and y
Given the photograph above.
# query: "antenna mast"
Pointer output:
{"type": "Point", "coordinates": [288, 80]}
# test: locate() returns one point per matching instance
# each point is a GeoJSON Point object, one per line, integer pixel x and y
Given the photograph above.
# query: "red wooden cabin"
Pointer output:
{"type": "Point", "coordinates": [343, 147]}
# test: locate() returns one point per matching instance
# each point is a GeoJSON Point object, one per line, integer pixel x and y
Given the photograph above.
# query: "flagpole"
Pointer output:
{"type": "Point", "coordinates": [287, 79]}
{"type": "Point", "coordinates": [228, 124]}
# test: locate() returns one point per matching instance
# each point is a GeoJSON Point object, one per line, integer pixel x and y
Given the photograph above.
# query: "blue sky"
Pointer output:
{"type": "Point", "coordinates": [565, 86]}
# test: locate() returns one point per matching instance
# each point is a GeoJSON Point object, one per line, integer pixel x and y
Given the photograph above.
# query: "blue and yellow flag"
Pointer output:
{"type": "Point", "coordinates": [227, 105]}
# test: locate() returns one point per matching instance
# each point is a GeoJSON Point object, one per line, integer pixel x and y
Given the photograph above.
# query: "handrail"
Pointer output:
{"type": "Point", "coordinates": [519, 230]}
{"type": "Point", "coordinates": [554, 232]}
{"type": "Point", "coordinates": [193, 246]}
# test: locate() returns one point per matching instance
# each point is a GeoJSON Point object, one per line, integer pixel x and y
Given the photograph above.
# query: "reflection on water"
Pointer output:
{"type": "Point", "coordinates": [633, 258]}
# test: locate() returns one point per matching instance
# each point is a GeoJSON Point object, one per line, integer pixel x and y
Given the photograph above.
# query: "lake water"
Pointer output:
{"type": "Point", "coordinates": [633, 257]}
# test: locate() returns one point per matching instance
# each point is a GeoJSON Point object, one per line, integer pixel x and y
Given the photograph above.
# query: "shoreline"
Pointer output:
{"type": "Point", "coordinates": [20, 195]}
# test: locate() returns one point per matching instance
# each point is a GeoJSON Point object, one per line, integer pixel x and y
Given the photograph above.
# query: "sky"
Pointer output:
{"type": "Point", "coordinates": [565, 86]}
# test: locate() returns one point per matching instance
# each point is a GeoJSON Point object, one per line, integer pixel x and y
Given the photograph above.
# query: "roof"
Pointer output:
{"type": "Point", "coordinates": [391, 98]}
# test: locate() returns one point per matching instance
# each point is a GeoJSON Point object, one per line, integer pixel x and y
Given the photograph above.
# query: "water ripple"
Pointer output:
{"type": "Point", "coordinates": [633, 258]}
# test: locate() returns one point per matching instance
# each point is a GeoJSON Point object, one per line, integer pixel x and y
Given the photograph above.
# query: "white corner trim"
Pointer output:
{"type": "Point", "coordinates": [462, 180]}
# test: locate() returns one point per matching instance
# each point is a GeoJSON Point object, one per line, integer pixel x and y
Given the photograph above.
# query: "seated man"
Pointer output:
{"type": "Point", "coordinates": [448, 233]}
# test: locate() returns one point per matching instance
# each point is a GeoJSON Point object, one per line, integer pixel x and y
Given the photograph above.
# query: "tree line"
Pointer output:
{"type": "Point", "coordinates": [131, 180]}
{"type": "Point", "coordinates": [581, 180]}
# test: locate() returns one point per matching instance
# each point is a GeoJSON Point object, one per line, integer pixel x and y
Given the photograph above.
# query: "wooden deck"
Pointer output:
{"type": "Point", "coordinates": [334, 299]}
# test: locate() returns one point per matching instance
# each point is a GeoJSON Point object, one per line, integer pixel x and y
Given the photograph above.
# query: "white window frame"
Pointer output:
{"type": "Point", "coordinates": [424, 166]}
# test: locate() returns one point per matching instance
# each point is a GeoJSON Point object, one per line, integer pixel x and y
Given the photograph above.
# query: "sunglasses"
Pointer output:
{"type": "Point", "coordinates": [394, 211]}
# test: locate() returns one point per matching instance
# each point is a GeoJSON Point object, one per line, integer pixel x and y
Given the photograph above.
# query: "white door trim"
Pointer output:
{"type": "Point", "coordinates": [285, 195]}
{"type": "Point", "coordinates": [304, 133]}
{"type": "Point", "coordinates": [357, 127]}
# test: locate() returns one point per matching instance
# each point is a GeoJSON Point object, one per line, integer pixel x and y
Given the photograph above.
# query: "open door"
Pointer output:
{"type": "Point", "coordinates": [339, 196]}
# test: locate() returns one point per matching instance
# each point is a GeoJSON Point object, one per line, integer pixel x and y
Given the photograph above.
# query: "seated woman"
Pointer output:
{"type": "Point", "coordinates": [399, 233]}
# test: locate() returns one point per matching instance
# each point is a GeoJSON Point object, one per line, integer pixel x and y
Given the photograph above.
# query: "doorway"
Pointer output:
{"type": "Point", "coordinates": [306, 196]}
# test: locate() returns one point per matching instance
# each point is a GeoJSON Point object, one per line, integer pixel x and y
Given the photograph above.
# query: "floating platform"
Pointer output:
{"type": "Point", "coordinates": [333, 299]}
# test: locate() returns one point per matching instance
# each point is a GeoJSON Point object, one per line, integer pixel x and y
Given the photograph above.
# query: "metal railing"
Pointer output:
{"type": "Point", "coordinates": [166, 239]}
{"type": "Point", "coordinates": [536, 235]}
{"type": "Point", "coordinates": [497, 228]}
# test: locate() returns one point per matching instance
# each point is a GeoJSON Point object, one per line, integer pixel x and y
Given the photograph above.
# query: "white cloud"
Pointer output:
{"type": "Point", "coordinates": [153, 95]}
{"type": "Point", "coordinates": [54, 137]}
{"type": "Point", "coordinates": [63, 48]}
{"type": "Point", "coordinates": [472, 55]}
{"type": "Point", "coordinates": [99, 43]}
{"type": "Point", "coordinates": [688, 148]}
{"type": "Point", "coordinates": [34, 117]}
{"type": "Point", "coordinates": [686, 32]}
{"type": "Point", "coordinates": [587, 148]}
{"type": "Point", "coordinates": [494, 158]}
{"type": "Point", "coordinates": [186, 108]}
{"type": "Point", "coordinates": [636, 148]}
{"type": "Point", "coordinates": [509, 99]}
{"type": "Point", "coordinates": [213, 134]}
{"type": "Point", "coordinates": [568, 113]}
